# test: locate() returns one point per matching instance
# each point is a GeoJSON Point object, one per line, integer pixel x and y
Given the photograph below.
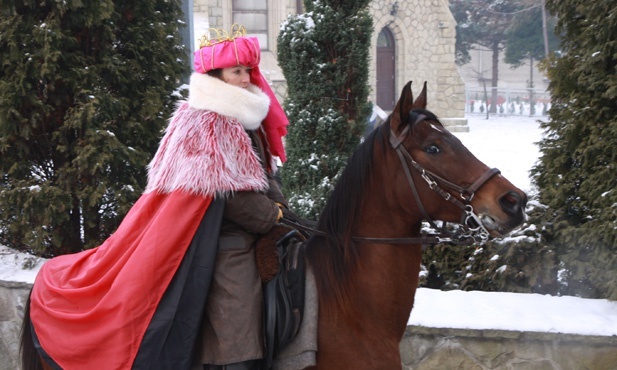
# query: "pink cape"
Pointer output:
{"type": "Point", "coordinates": [103, 299]}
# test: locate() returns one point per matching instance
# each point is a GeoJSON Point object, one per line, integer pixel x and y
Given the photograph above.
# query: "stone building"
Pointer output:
{"type": "Point", "coordinates": [412, 40]}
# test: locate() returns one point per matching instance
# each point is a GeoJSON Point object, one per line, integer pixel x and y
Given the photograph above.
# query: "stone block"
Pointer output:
{"type": "Point", "coordinates": [491, 353]}
{"type": "Point", "coordinates": [455, 124]}
{"type": "Point", "coordinates": [449, 357]}
{"type": "Point", "coordinates": [533, 365]}
{"type": "Point", "coordinates": [575, 356]}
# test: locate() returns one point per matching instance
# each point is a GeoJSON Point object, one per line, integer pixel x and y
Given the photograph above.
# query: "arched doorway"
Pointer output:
{"type": "Point", "coordinates": [385, 69]}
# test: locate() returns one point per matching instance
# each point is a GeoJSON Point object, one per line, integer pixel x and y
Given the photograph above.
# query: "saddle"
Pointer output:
{"type": "Point", "coordinates": [281, 265]}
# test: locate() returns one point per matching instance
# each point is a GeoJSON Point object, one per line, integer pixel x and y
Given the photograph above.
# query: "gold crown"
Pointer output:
{"type": "Point", "coordinates": [221, 35]}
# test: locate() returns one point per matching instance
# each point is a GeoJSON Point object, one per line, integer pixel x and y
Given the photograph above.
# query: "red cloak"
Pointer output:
{"type": "Point", "coordinates": [90, 310]}
{"type": "Point", "coordinates": [95, 309]}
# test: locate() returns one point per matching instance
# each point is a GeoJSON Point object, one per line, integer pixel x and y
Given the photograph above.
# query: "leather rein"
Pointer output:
{"type": "Point", "coordinates": [471, 229]}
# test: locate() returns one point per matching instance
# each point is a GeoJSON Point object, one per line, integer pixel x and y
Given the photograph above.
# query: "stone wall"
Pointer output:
{"type": "Point", "coordinates": [462, 349]}
{"type": "Point", "coordinates": [13, 297]}
{"type": "Point", "coordinates": [421, 348]}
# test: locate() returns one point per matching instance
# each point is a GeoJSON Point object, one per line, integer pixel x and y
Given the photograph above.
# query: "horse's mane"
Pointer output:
{"type": "Point", "coordinates": [334, 257]}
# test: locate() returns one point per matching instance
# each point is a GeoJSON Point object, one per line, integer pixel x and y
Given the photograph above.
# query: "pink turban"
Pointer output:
{"type": "Point", "coordinates": [245, 51]}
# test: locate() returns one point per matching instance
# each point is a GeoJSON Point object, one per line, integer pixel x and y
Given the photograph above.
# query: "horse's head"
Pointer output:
{"type": "Point", "coordinates": [444, 180]}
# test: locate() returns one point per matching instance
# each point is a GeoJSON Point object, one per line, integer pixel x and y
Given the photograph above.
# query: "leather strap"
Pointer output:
{"type": "Point", "coordinates": [427, 239]}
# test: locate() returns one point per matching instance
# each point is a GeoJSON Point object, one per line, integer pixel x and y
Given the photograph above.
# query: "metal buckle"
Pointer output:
{"type": "Point", "coordinates": [431, 183]}
{"type": "Point", "coordinates": [475, 228]}
{"type": "Point", "coordinates": [465, 198]}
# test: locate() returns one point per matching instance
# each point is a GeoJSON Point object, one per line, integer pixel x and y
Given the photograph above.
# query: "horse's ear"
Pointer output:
{"type": "Point", "coordinates": [420, 102]}
{"type": "Point", "coordinates": [402, 109]}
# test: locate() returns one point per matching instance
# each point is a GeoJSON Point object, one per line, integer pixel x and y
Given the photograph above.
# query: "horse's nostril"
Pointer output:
{"type": "Point", "coordinates": [511, 203]}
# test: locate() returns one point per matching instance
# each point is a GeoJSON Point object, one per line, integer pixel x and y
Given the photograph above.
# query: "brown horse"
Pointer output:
{"type": "Point", "coordinates": [366, 267]}
{"type": "Point", "coordinates": [367, 253]}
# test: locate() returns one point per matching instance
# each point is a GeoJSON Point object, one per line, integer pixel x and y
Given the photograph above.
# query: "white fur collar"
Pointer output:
{"type": "Point", "coordinates": [249, 106]}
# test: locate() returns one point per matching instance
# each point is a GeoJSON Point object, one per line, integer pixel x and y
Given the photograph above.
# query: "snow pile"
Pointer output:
{"type": "Point", "coordinates": [514, 311]}
{"type": "Point", "coordinates": [21, 267]}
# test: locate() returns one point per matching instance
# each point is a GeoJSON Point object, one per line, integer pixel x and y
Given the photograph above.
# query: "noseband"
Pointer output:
{"type": "Point", "coordinates": [471, 229]}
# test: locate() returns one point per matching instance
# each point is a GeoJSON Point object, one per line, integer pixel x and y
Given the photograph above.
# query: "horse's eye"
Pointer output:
{"type": "Point", "coordinates": [432, 149]}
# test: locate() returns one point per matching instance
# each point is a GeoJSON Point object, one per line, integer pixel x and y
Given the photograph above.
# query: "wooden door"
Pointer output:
{"type": "Point", "coordinates": [385, 70]}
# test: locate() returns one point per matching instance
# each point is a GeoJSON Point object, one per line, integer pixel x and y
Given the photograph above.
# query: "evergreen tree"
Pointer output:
{"type": "Point", "coordinates": [485, 23]}
{"type": "Point", "coordinates": [521, 263]}
{"type": "Point", "coordinates": [465, 33]}
{"type": "Point", "coordinates": [525, 41]}
{"type": "Point", "coordinates": [577, 172]}
{"type": "Point", "coordinates": [324, 55]}
{"type": "Point", "coordinates": [85, 90]}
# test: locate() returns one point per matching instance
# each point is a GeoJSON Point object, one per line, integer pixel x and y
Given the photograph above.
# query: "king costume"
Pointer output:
{"type": "Point", "coordinates": [138, 300]}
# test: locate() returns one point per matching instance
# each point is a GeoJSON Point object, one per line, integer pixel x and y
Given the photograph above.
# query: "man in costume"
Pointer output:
{"type": "Point", "coordinates": [177, 281]}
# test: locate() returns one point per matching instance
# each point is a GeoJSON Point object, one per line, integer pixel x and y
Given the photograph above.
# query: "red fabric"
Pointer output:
{"type": "Point", "coordinates": [276, 122]}
{"type": "Point", "coordinates": [229, 53]}
{"type": "Point", "coordinates": [90, 310]}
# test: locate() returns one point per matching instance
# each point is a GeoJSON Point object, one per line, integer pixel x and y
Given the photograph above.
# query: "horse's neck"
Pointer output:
{"type": "Point", "coordinates": [384, 215]}
{"type": "Point", "coordinates": [390, 278]}
{"type": "Point", "coordinates": [389, 271]}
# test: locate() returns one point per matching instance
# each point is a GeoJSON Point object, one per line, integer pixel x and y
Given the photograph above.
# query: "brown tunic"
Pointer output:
{"type": "Point", "coordinates": [232, 327]}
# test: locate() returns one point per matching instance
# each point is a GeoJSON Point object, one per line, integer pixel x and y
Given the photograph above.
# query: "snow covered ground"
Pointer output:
{"type": "Point", "coordinates": [507, 143]}
{"type": "Point", "coordinates": [514, 311]}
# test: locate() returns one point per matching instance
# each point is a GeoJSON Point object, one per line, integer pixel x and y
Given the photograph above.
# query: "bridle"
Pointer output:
{"type": "Point", "coordinates": [470, 228]}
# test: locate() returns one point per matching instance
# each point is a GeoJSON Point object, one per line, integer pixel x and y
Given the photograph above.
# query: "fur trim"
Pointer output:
{"type": "Point", "coordinates": [249, 106]}
{"type": "Point", "coordinates": [205, 153]}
